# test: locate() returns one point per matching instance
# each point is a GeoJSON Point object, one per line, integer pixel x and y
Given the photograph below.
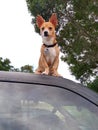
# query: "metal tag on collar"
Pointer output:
{"type": "Point", "coordinates": [46, 50]}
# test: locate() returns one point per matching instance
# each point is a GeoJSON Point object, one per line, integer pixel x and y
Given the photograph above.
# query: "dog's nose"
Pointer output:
{"type": "Point", "coordinates": [45, 33]}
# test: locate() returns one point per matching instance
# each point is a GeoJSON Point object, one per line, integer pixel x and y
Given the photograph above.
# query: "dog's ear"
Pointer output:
{"type": "Point", "coordinates": [39, 21]}
{"type": "Point", "coordinates": [53, 19]}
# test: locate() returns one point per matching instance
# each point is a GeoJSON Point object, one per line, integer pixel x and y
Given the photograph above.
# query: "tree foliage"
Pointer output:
{"type": "Point", "coordinates": [94, 85]}
{"type": "Point", "coordinates": [27, 69]}
{"type": "Point", "coordinates": [80, 41]}
{"type": "Point", "coordinates": [5, 64]}
{"type": "Point", "coordinates": [77, 33]}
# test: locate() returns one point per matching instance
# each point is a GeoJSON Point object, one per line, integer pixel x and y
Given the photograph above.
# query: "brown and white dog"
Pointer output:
{"type": "Point", "coordinates": [49, 58]}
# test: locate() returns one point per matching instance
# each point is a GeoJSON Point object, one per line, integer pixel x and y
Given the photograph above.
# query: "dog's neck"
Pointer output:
{"type": "Point", "coordinates": [49, 46]}
{"type": "Point", "coordinates": [49, 41]}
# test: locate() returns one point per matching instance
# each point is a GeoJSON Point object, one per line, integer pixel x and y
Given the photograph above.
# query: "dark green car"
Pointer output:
{"type": "Point", "coordinates": [39, 102]}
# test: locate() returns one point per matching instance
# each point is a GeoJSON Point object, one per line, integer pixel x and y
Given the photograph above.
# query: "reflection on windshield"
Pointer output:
{"type": "Point", "coordinates": [27, 107]}
{"type": "Point", "coordinates": [41, 106]}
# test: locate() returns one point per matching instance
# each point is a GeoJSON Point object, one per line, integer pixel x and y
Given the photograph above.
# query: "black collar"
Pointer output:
{"type": "Point", "coordinates": [48, 46]}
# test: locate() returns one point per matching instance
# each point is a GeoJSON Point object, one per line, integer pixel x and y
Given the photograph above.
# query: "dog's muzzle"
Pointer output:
{"type": "Point", "coordinates": [46, 34]}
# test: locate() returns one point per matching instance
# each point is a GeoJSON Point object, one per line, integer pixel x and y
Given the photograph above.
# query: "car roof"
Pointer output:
{"type": "Point", "coordinates": [28, 78]}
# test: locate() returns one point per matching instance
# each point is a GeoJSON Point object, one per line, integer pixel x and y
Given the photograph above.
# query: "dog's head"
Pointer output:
{"type": "Point", "coordinates": [47, 29]}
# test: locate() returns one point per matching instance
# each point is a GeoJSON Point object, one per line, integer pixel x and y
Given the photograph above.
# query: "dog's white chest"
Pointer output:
{"type": "Point", "coordinates": [50, 54]}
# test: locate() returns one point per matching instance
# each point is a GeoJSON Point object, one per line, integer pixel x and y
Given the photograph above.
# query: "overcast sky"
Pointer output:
{"type": "Point", "coordinates": [18, 40]}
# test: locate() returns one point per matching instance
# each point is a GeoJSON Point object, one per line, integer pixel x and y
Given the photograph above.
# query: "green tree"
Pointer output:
{"type": "Point", "coordinates": [77, 33]}
{"type": "Point", "coordinates": [80, 41]}
{"type": "Point", "coordinates": [94, 85]}
{"type": "Point", "coordinates": [27, 68]}
{"type": "Point", "coordinates": [5, 64]}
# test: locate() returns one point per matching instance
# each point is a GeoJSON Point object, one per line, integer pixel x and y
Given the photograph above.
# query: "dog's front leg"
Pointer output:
{"type": "Point", "coordinates": [45, 65]}
{"type": "Point", "coordinates": [54, 67]}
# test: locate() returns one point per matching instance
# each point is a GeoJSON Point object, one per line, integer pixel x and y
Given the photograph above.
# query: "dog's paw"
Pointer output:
{"type": "Point", "coordinates": [45, 73]}
{"type": "Point", "coordinates": [37, 72]}
{"type": "Point", "coordinates": [56, 74]}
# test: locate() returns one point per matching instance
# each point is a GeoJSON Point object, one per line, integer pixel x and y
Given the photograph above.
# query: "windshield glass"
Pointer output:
{"type": "Point", "coordinates": [39, 107]}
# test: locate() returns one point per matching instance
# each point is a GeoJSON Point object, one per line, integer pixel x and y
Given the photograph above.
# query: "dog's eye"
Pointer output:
{"type": "Point", "coordinates": [42, 28]}
{"type": "Point", "coordinates": [50, 28]}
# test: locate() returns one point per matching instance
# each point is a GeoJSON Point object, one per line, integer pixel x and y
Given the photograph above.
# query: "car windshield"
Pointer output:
{"type": "Point", "coordinates": [41, 107]}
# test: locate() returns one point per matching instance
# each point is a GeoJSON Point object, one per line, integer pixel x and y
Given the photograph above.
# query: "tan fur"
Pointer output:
{"type": "Point", "coordinates": [49, 58]}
